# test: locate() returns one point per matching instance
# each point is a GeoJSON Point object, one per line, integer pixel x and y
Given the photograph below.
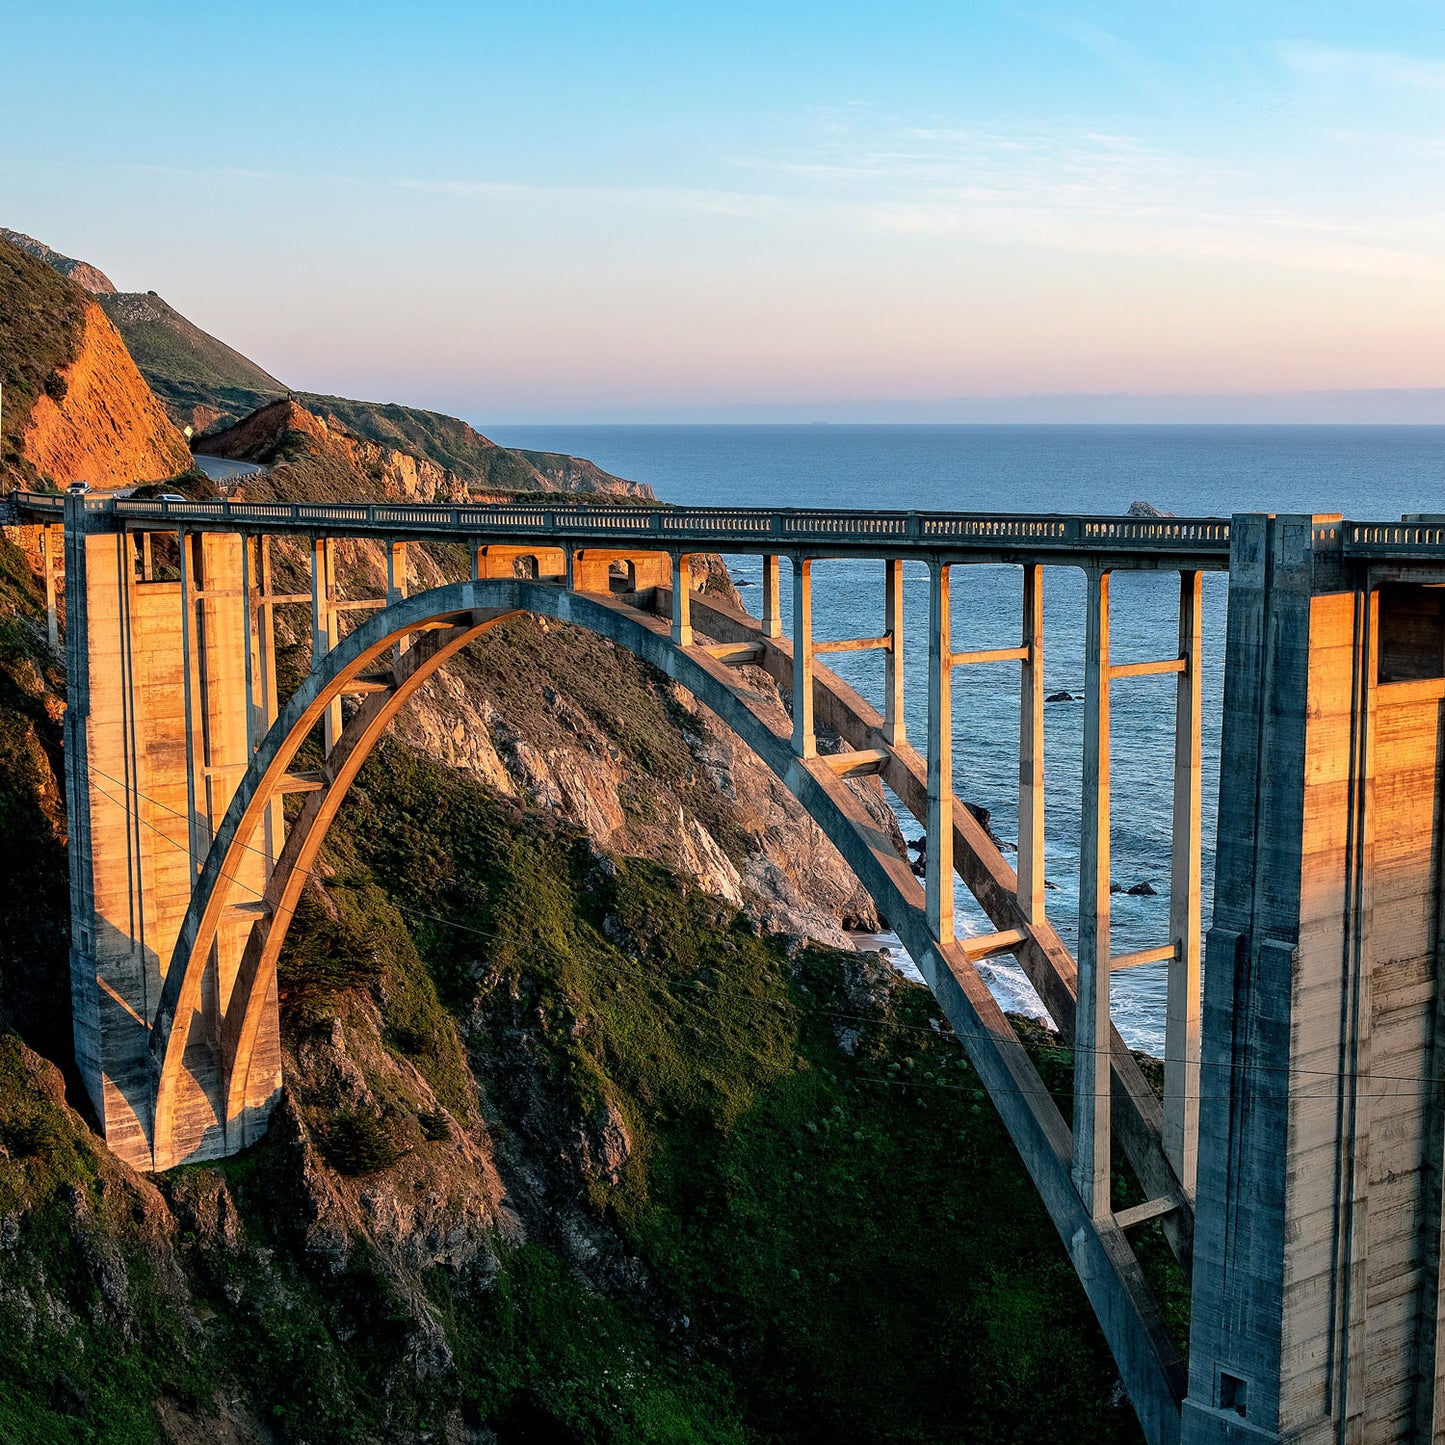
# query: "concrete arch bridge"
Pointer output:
{"type": "Point", "coordinates": [1295, 1161]}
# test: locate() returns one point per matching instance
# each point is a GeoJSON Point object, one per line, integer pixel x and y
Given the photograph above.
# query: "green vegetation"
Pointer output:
{"type": "Point", "coordinates": [451, 443]}
{"type": "Point", "coordinates": [42, 321]}
{"type": "Point", "coordinates": [832, 1237]}
{"type": "Point", "coordinates": [818, 1216]}
{"type": "Point", "coordinates": [35, 901]}
{"type": "Point", "coordinates": [752, 1193]}
{"type": "Point", "coordinates": [186, 367]}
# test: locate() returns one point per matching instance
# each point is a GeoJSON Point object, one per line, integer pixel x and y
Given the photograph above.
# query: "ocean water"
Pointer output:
{"type": "Point", "coordinates": [1362, 472]}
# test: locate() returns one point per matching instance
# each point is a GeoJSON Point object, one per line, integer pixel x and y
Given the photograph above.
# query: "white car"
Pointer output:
{"type": "Point", "coordinates": [78, 489]}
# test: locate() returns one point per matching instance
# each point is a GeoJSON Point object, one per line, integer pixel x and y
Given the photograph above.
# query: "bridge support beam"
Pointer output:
{"type": "Point", "coordinates": [895, 728]}
{"type": "Point", "coordinates": [682, 599]}
{"type": "Point", "coordinates": [160, 724]}
{"type": "Point", "coordinates": [938, 828]}
{"type": "Point", "coordinates": [324, 633]}
{"type": "Point", "coordinates": [772, 613]}
{"type": "Point", "coordinates": [52, 544]}
{"type": "Point", "coordinates": [805, 741]}
{"type": "Point", "coordinates": [1181, 1032]}
{"type": "Point", "coordinates": [1031, 750]}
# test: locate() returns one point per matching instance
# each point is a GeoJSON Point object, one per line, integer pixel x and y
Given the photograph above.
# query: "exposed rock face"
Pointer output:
{"type": "Point", "coordinates": [781, 869]}
{"type": "Point", "coordinates": [278, 431]}
{"type": "Point", "coordinates": [101, 424]}
{"type": "Point", "coordinates": [81, 272]}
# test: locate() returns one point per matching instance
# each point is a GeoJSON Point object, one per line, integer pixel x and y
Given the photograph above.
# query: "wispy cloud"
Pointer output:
{"type": "Point", "coordinates": [1090, 192]}
{"type": "Point", "coordinates": [682, 199]}
{"type": "Point", "coordinates": [1377, 67]}
{"type": "Point", "coordinates": [1115, 53]}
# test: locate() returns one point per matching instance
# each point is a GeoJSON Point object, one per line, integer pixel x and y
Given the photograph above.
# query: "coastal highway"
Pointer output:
{"type": "Point", "coordinates": [223, 471]}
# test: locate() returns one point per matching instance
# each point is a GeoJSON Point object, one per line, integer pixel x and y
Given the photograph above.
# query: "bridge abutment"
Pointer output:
{"type": "Point", "coordinates": [1316, 1265]}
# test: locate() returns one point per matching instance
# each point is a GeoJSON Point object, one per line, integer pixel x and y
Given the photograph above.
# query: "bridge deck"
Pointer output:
{"type": "Point", "coordinates": [1144, 542]}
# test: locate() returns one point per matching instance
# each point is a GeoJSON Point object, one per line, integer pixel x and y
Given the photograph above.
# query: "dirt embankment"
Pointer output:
{"type": "Point", "coordinates": [102, 425]}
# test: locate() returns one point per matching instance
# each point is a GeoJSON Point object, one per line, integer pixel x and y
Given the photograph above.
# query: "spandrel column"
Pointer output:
{"type": "Point", "coordinates": [1091, 1164]}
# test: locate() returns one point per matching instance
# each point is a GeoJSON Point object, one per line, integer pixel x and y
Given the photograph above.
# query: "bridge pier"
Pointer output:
{"type": "Point", "coordinates": [1316, 1305]}
{"type": "Point", "coordinates": [159, 729]}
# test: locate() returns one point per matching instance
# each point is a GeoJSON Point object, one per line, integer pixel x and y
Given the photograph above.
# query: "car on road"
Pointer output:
{"type": "Point", "coordinates": [78, 489]}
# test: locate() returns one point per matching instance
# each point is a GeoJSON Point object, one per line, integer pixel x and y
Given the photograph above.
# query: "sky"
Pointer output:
{"type": "Point", "coordinates": [782, 211]}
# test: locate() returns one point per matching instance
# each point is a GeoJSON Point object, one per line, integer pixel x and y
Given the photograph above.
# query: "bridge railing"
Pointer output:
{"type": "Point", "coordinates": [673, 525]}
{"type": "Point", "coordinates": [1413, 536]}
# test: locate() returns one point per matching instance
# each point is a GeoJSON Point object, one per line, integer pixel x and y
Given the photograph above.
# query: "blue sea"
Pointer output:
{"type": "Point", "coordinates": [1361, 472]}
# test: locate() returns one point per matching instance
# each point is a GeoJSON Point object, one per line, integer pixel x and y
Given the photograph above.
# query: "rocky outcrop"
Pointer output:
{"type": "Point", "coordinates": [278, 432]}
{"type": "Point", "coordinates": [98, 422]}
{"type": "Point", "coordinates": [85, 275]}
{"type": "Point", "coordinates": [562, 758]}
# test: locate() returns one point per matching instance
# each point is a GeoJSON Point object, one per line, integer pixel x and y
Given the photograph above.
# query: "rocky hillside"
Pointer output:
{"type": "Point", "coordinates": [286, 432]}
{"type": "Point", "coordinates": [553, 717]}
{"type": "Point", "coordinates": [469, 456]}
{"type": "Point", "coordinates": [75, 407]}
{"type": "Point", "coordinates": [209, 387]}
{"type": "Point", "coordinates": [572, 1150]}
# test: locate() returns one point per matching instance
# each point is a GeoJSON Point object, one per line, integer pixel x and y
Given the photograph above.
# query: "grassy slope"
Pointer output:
{"type": "Point", "coordinates": [447, 440]}
{"type": "Point", "coordinates": [455, 445]}
{"type": "Point", "coordinates": [186, 366]}
{"type": "Point", "coordinates": [854, 1246]}
{"type": "Point", "coordinates": [853, 1240]}
{"type": "Point", "coordinates": [42, 318]}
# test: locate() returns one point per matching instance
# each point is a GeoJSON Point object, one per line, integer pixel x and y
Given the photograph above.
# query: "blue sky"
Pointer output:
{"type": "Point", "coordinates": [640, 211]}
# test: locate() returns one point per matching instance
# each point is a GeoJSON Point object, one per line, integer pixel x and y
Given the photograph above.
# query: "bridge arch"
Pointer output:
{"type": "Point", "coordinates": [442, 621]}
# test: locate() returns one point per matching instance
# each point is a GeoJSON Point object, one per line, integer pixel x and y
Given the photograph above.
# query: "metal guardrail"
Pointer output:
{"type": "Point", "coordinates": [855, 529]}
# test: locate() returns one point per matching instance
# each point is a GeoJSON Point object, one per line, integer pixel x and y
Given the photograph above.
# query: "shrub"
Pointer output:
{"type": "Point", "coordinates": [357, 1142]}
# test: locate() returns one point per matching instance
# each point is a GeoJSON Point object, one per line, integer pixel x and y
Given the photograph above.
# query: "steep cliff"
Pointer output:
{"type": "Point", "coordinates": [99, 422]}
{"type": "Point", "coordinates": [209, 386]}
{"type": "Point", "coordinates": [463, 451]}
{"type": "Point", "coordinates": [75, 407]}
{"type": "Point", "coordinates": [572, 1149]}
{"type": "Point", "coordinates": [580, 1142]}
{"type": "Point", "coordinates": [286, 432]}
{"type": "Point", "coordinates": [557, 718]}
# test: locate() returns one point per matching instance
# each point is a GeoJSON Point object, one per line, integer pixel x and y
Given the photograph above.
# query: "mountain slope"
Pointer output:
{"type": "Point", "coordinates": [473, 458]}
{"type": "Point", "coordinates": [86, 276]}
{"type": "Point", "coordinates": [200, 379]}
{"type": "Point", "coordinates": [75, 407]}
{"type": "Point", "coordinates": [210, 386]}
